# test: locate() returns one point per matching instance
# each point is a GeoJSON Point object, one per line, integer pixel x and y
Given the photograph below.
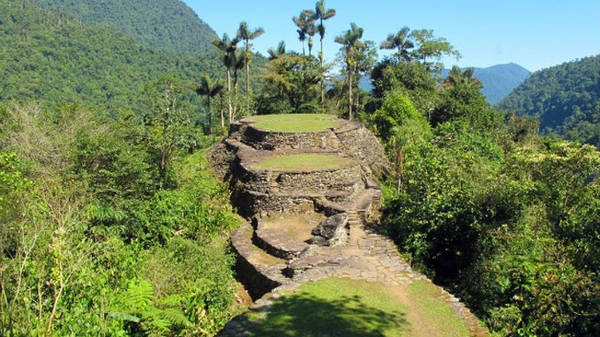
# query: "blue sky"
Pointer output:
{"type": "Point", "coordinates": [535, 34]}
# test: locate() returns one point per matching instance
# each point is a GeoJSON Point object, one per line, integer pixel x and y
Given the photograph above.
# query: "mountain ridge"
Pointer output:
{"type": "Point", "coordinates": [498, 80]}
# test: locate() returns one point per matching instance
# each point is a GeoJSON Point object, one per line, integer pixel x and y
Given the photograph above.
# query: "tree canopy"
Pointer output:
{"type": "Point", "coordinates": [54, 58]}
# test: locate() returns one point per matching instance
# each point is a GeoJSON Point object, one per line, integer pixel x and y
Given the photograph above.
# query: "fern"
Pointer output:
{"type": "Point", "coordinates": [154, 322]}
{"type": "Point", "coordinates": [139, 295]}
{"type": "Point", "coordinates": [177, 317]}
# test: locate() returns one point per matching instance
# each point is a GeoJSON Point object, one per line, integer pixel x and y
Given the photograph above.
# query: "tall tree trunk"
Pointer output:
{"type": "Point", "coordinates": [322, 79]}
{"type": "Point", "coordinates": [229, 104]}
{"type": "Point", "coordinates": [210, 129]}
{"type": "Point", "coordinates": [248, 92]}
{"type": "Point", "coordinates": [350, 73]}
{"type": "Point", "coordinates": [247, 71]}
{"type": "Point", "coordinates": [222, 118]}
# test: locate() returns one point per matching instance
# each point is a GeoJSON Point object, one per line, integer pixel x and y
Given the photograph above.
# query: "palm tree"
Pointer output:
{"type": "Point", "coordinates": [210, 89]}
{"type": "Point", "coordinates": [457, 77]}
{"type": "Point", "coordinates": [278, 52]}
{"type": "Point", "coordinates": [311, 31]}
{"type": "Point", "coordinates": [350, 42]}
{"type": "Point", "coordinates": [240, 63]}
{"type": "Point", "coordinates": [245, 34]}
{"type": "Point", "coordinates": [322, 14]}
{"type": "Point", "coordinates": [230, 59]}
{"type": "Point", "coordinates": [401, 41]}
{"type": "Point", "coordinates": [306, 26]}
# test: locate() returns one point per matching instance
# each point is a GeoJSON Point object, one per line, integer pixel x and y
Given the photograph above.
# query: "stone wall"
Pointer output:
{"type": "Point", "coordinates": [275, 141]}
{"type": "Point", "coordinates": [301, 182]}
{"type": "Point", "coordinates": [221, 157]}
{"type": "Point", "coordinates": [365, 148]}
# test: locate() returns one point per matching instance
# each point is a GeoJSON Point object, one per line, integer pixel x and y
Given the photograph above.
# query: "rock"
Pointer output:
{"type": "Point", "coordinates": [331, 231]}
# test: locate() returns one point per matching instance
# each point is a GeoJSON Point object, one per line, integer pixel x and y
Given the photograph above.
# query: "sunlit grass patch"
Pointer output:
{"type": "Point", "coordinates": [344, 307]}
{"type": "Point", "coordinates": [303, 162]}
{"type": "Point", "coordinates": [440, 316]}
{"type": "Point", "coordinates": [295, 122]}
{"type": "Point", "coordinates": [336, 307]}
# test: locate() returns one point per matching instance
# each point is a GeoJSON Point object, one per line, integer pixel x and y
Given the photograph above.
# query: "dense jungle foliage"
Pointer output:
{"type": "Point", "coordinates": [54, 58]}
{"type": "Point", "coordinates": [98, 237]}
{"type": "Point", "coordinates": [505, 218]}
{"type": "Point", "coordinates": [565, 99]}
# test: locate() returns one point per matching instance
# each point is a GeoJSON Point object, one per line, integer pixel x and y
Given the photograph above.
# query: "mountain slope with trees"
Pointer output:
{"type": "Point", "coordinates": [499, 80]}
{"type": "Point", "coordinates": [168, 25]}
{"type": "Point", "coordinates": [565, 98]}
{"type": "Point", "coordinates": [54, 58]}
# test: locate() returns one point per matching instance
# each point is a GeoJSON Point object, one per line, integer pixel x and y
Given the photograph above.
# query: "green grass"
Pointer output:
{"type": "Point", "coordinates": [295, 122]}
{"type": "Point", "coordinates": [439, 316]}
{"type": "Point", "coordinates": [335, 307]}
{"type": "Point", "coordinates": [343, 307]}
{"type": "Point", "coordinates": [303, 162]}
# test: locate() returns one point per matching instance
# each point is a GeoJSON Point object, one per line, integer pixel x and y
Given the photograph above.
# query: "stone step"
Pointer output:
{"type": "Point", "coordinates": [259, 271]}
{"type": "Point", "coordinates": [276, 244]}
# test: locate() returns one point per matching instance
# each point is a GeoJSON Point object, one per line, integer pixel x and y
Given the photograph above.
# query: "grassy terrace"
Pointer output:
{"type": "Point", "coordinates": [303, 162]}
{"type": "Point", "coordinates": [343, 307]}
{"type": "Point", "coordinates": [295, 122]}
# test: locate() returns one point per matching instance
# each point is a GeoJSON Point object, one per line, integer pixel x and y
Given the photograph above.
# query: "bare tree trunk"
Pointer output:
{"type": "Point", "coordinates": [350, 73]}
{"type": "Point", "coordinates": [222, 118]}
{"type": "Point", "coordinates": [229, 104]}
{"type": "Point", "coordinates": [247, 70]}
{"type": "Point", "coordinates": [210, 128]}
{"type": "Point", "coordinates": [322, 79]}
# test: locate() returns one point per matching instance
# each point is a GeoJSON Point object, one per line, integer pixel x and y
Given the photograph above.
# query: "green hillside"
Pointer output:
{"type": "Point", "coordinates": [565, 98]}
{"type": "Point", "coordinates": [168, 25]}
{"type": "Point", "coordinates": [54, 58]}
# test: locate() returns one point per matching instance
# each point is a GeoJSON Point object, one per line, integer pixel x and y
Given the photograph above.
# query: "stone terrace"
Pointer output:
{"type": "Point", "coordinates": [276, 249]}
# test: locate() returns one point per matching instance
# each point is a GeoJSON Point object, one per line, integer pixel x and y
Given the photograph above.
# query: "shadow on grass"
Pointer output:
{"type": "Point", "coordinates": [301, 315]}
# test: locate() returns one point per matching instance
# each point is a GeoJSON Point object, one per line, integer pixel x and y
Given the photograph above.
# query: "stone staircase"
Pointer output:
{"type": "Point", "coordinates": [279, 259]}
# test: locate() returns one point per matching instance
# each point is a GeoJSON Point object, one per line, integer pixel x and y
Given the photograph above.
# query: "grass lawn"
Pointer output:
{"type": "Point", "coordinates": [295, 122]}
{"type": "Point", "coordinates": [343, 307]}
{"type": "Point", "coordinates": [303, 162]}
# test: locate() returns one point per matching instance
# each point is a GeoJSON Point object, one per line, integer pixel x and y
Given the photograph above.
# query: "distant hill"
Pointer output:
{"type": "Point", "coordinates": [565, 98]}
{"type": "Point", "coordinates": [53, 58]}
{"type": "Point", "coordinates": [169, 25]}
{"type": "Point", "coordinates": [499, 80]}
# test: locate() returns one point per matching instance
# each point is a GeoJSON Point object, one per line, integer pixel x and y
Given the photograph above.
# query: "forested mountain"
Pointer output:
{"type": "Point", "coordinates": [499, 80]}
{"type": "Point", "coordinates": [168, 25]}
{"type": "Point", "coordinates": [52, 57]}
{"type": "Point", "coordinates": [565, 98]}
